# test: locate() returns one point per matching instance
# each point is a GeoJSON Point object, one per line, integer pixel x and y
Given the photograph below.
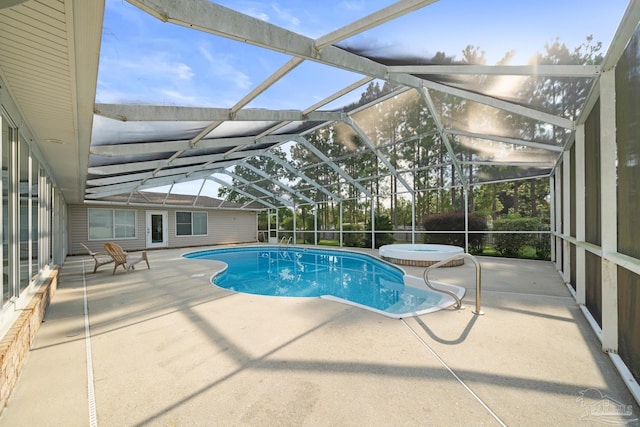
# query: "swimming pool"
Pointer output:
{"type": "Point", "coordinates": [339, 275]}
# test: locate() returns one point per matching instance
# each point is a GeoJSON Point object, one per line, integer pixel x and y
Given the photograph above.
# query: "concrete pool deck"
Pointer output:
{"type": "Point", "coordinates": [168, 348]}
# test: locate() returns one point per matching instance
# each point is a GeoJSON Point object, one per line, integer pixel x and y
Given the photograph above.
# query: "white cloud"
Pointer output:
{"type": "Point", "coordinates": [353, 5]}
{"type": "Point", "coordinates": [263, 16]}
{"type": "Point", "coordinates": [223, 66]}
{"type": "Point", "coordinates": [286, 16]}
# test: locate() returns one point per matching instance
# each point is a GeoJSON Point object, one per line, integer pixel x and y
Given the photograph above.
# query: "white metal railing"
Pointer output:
{"type": "Point", "coordinates": [452, 294]}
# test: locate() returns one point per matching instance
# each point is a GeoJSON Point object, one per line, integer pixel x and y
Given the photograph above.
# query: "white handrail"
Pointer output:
{"type": "Point", "coordinates": [455, 297]}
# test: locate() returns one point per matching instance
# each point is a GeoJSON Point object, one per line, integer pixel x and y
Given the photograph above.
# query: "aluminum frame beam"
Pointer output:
{"type": "Point", "coordinates": [513, 141]}
{"type": "Point", "coordinates": [257, 187]}
{"type": "Point", "coordinates": [332, 165]}
{"type": "Point", "coordinates": [302, 176]}
{"type": "Point", "coordinates": [378, 154]}
{"type": "Point", "coordinates": [114, 150]}
{"type": "Point", "coordinates": [500, 70]}
{"type": "Point", "coordinates": [141, 113]}
{"type": "Point", "coordinates": [276, 182]}
{"type": "Point", "coordinates": [244, 193]}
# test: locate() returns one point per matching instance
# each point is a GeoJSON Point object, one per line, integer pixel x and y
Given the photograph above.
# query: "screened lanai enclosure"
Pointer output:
{"type": "Point", "coordinates": [507, 128]}
{"type": "Point", "coordinates": [374, 133]}
{"type": "Point", "coordinates": [413, 147]}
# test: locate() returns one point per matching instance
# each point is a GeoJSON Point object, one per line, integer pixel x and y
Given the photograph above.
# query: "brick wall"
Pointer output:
{"type": "Point", "coordinates": [15, 345]}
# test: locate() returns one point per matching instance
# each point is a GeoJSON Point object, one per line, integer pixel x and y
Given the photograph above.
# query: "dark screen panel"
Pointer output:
{"type": "Point", "coordinates": [628, 129]}
{"type": "Point", "coordinates": [593, 286]}
{"type": "Point", "coordinates": [629, 319]}
{"type": "Point", "coordinates": [592, 176]}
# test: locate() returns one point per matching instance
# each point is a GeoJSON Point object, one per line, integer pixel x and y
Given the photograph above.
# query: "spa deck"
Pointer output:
{"type": "Point", "coordinates": [168, 348]}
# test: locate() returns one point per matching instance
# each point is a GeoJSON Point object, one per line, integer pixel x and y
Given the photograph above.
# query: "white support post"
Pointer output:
{"type": "Point", "coordinates": [466, 220]}
{"type": "Point", "coordinates": [294, 222]}
{"type": "Point", "coordinates": [581, 276]}
{"type": "Point", "coordinates": [552, 215]}
{"type": "Point", "coordinates": [608, 210]}
{"type": "Point", "coordinates": [315, 225]}
{"type": "Point", "coordinates": [373, 225]}
{"type": "Point", "coordinates": [341, 236]}
{"type": "Point", "coordinates": [558, 213]}
{"type": "Point", "coordinates": [413, 218]}
{"type": "Point", "coordinates": [566, 216]}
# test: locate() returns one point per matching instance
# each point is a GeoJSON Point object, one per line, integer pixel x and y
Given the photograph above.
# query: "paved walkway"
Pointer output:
{"type": "Point", "coordinates": [167, 348]}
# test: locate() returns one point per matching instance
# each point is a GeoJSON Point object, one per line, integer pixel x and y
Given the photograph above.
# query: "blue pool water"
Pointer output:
{"type": "Point", "coordinates": [350, 277]}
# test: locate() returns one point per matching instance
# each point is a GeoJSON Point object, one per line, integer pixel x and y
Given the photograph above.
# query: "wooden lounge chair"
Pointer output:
{"type": "Point", "coordinates": [100, 258]}
{"type": "Point", "coordinates": [123, 258]}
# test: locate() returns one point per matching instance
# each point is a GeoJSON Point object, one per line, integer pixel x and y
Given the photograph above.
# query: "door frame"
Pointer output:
{"type": "Point", "coordinates": [165, 229]}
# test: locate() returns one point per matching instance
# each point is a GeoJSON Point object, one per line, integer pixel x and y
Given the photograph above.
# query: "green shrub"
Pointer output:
{"type": "Point", "coordinates": [454, 221]}
{"type": "Point", "coordinates": [511, 244]}
{"type": "Point", "coordinates": [383, 223]}
{"type": "Point", "coordinates": [352, 240]}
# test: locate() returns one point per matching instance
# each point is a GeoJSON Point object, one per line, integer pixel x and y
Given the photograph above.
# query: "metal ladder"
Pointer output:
{"type": "Point", "coordinates": [458, 304]}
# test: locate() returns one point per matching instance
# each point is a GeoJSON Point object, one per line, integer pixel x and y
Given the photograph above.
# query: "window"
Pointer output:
{"type": "Point", "coordinates": [191, 223]}
{"type": "Point", "coordinates": [111, 224]}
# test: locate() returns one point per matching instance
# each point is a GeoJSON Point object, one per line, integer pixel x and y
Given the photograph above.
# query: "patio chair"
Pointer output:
{"type": "Point", "coordinates": [100, 258]}
{"type": "Point", "coordinates": [123, 258]}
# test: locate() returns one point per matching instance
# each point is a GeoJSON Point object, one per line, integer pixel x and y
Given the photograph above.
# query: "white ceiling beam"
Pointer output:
{"type": "Point", "coordinates": [500, 70]}
{"type": "Point", "coordinates": [114, 150]}
{"type": "Point", "coordinates": [276, 182]}
{"type": "Point", "coordinates": [116, 189]}
{"type": "Point", "coordinates": [244, 193]}
{"type": "Point", "coordinates": [143, 177]}
{"type": "Point", "coordinates": [257, 187]}
{"type": "Point", "coordinates": [502, 105]}
{"type": "Point", "coordinates": [513, 141]}
{"type": "Point", "coordinates": [363, 136]}
{"type": "Point", "coordinates": [375, 19]}
{"type": "Point", "coordinates": [443, 136]}
{"type": "Point", "coordinates": [215, 19]}
{"type": "Point", "coordinates": [124, 168]}
{"type": "Point", "coordinates": [163, 113]}
{"type": "Point", "coordinates": [514, 164]}
{"type": "Point", "coordinates": [300, 175]}
{"type": "Point", "coordinates": [332, 165]}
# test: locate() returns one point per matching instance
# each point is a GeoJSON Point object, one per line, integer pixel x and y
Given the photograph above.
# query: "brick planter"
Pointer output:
{"type": "Point", "coordinates": [15, 345]}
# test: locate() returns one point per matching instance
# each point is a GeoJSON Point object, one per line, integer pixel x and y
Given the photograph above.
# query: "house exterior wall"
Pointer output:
{"type": "Point", "coordinates": [223, 227]}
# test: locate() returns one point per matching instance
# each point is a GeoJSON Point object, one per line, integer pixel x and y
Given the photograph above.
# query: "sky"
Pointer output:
{"type": "Point", "coordinates": [144, 60]}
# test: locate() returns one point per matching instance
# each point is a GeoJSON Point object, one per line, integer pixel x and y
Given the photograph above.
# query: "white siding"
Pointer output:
{"type": "Point", "coordinates": [223, 227]}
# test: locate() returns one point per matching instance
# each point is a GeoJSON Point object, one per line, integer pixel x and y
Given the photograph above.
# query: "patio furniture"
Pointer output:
{"type": "Point", "coordinates": [123, 258]}
{"type": "Point", "coordinates": [100, 258]}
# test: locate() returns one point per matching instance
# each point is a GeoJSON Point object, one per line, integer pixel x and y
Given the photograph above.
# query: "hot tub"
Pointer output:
{"type": "Point", "coordinates": [420, 255]}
